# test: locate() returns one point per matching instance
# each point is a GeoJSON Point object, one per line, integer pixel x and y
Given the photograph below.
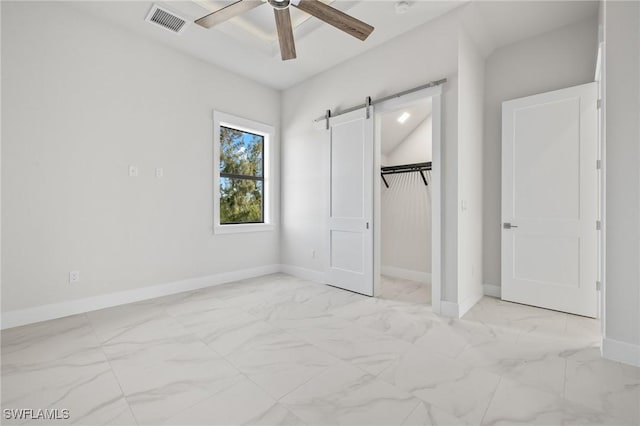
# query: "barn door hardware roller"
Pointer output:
{"type": "Point", "coordinates": [370, 102]}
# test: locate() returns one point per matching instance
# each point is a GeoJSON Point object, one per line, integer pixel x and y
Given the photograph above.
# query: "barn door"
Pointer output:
{"type": "Point", "coordinates": [351, 202]}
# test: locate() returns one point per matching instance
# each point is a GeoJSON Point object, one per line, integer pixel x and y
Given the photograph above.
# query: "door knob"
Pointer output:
{"type": "Point", "coordinates": [507, 225]}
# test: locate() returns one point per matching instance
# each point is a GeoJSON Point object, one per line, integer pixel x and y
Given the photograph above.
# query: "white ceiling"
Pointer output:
{"type": "Point", "coordinates": [247, 45]}
{"type": "Point", "coordinates": [394, 132]}
{"type": "Point", "coordinates": [499, 23]}
{"type": "Point", "coordinates": [256, 26]}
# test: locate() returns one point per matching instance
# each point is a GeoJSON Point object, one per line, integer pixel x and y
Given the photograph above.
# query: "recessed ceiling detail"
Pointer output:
{"type": "Point", "coordinates": [259, 24]}
{"type": "Point", "coordinates": [281, 9]}
{"type": "Point", "coordinates": [247, 45]}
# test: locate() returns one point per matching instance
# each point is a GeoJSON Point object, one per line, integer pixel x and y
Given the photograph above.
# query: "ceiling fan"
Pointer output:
{"type": "Point", "coordinates": [326, 13]}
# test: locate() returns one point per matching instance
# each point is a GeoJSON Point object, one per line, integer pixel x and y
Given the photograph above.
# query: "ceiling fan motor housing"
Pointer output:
{"type": "Point", "coordinates": [280, 4]}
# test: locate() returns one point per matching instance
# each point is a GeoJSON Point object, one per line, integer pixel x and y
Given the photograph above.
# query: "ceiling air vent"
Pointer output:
{"type": "Point", "coordinates": [166, 19]}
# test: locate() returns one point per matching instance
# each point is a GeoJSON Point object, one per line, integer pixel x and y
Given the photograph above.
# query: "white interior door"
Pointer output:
{"type": "Point", "coordinates": [351, 202]}
{"type": "Point", "coordinates": [549, 200]}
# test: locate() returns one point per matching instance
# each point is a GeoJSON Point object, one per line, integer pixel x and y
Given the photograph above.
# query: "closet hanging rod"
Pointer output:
{"type": "Point", "coordinates": [330, 113]}
{"type": "Point", "coordinates": [406, 168]}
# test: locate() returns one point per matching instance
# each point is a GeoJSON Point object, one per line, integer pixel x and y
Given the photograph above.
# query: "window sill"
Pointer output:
{"type": "Point", "coordinates": [241, 228]}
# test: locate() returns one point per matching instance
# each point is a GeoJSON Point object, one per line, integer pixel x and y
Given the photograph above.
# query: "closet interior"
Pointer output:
{"type": "Point", "coordinates": [406, 154]}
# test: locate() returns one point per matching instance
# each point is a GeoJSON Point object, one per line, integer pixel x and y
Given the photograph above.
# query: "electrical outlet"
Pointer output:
{"type": "Point", "coordinates": [313, 253]}
{"type": "Point", "coordinates": [74, 277]}
{"type": "Point", "coordinates": [159, 172]}
{"type": "Point", "coordinates": [133, 171]}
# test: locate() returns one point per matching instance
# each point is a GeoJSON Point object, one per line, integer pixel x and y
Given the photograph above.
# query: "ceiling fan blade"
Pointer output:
{"type": "Point", "coordinates": [227, 12]}
{"type": "Point", "coordinates": [335, 17]}
{"type": "Point", "coordinates": [285, 34]}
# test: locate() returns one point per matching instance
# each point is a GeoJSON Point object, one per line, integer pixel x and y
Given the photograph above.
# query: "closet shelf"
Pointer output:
{"type": "Point", "coordinates": [406, 168]}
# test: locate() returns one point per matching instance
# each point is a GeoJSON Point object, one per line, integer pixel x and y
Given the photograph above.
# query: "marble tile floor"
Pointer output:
{"type": "Point", "coordinates": [278, 350]}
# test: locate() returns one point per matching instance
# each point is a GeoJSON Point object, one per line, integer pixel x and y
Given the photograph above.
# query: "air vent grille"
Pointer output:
{"type": "Point", "coordinates": [166, 19]}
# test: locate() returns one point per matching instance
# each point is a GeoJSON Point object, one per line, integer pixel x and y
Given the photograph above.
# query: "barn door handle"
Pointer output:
{"type": "Point", "coordinates": [507, 225]}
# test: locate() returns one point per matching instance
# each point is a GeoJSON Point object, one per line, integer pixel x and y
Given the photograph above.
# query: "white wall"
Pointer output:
{"type": "Point", "coordinates": [471, 69]}
{"type": "Point", "coordinates": [399, 64]}
{"type": "Point", "coordinates": [83, 100]}
{"type": "Point", "coordinates": [406, 210]}
{"type": "Point", "coordinates": [416, 148]}
{"type": "Point", "coordinates": [622, 144]}
{"type": "Point", "coordinates": [406, 227]}
{"type": "Point", "coordinates": [1, 173]}
{"type": "Point", "coordinates": [558, 59]}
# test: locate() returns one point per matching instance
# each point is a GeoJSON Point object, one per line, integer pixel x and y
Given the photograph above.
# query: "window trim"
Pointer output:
{"type": "Point", "coordinates": [250, 126]}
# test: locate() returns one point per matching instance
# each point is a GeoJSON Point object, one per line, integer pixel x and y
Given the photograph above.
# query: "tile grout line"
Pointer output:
{"type": "Point", "coordinates": [564, 382]}
{"type": "Point", "coordinates": [418, 402]}
{"type": "Point", "coordinates": [296, 338]}
{"type": "Point", "coordinates": [163, 309]}
{"type": "Point", "coordinates": [113, 372]}
{"type": "Point", "coordinates": [241, 374]}
{"type": "Point", "coordinates": [347, 362]}
{"type": "Point", "coordinates": [213, 395]}
{"type": "Point", "coordinates": [521, 335]}
{"type": "Point", "coordinates": [353, 324]}
{"type": "Point", "coordinates": [340, 360]}
{"type": "Point", "coordinates": [246, 376]}
{"type": "Point", "coordinates": [493, 395]}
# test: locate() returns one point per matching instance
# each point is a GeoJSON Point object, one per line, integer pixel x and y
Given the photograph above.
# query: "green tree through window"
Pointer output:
{"type": "Point", "coordinates": [241, 177]}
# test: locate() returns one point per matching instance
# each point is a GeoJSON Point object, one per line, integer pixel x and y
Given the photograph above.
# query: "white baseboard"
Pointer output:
{"type": "Point", "coordinates": [449, 309]}
{"type": "Point", "coordinates": [303, 273]}
{"type": "Point", "coordinates": [492, 290]}
{"type": "Point", "coordinates": [457, 310]}
{"type": "Point", "coordinates": [616, 350]}
{"type": "Point", "coordinates": [470, 302]}
{"type": "Point", "coordinates": [406, 274]}
{"type": "Point", "coordinates": [63, 309]}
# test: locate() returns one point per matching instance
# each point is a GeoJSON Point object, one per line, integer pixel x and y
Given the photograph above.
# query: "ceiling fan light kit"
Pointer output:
{"type": "Point", "coordinates": [330, 15]}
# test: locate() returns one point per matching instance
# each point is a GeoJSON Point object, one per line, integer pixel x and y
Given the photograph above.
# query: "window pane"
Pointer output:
{"type": "Point", "coordinates": [240, 201]}
{"type": "Point", "coordinates": [241, 153]}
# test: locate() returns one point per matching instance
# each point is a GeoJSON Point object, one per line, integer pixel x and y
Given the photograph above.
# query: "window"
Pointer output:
{"type": "Point", "coordinates": [241, 174]}
{"type": "Point", "coordinates": [241, 177]}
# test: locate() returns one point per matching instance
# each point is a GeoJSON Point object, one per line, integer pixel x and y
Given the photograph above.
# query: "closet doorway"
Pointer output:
{"type": "Point", "coordinates": [406, 199]}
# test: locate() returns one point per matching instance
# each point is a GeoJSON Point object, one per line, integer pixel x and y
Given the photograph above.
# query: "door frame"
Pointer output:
{"type": "Point", "coordinates": [435, 95]}
{"type": "Point", "coordinates": [508, 125]}
{"type": "Point", "coordinates": [602, 187]}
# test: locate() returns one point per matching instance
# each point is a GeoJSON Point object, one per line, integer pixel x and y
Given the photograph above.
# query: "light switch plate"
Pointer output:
{"type": "Point", "coordinates": [133, 171]}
